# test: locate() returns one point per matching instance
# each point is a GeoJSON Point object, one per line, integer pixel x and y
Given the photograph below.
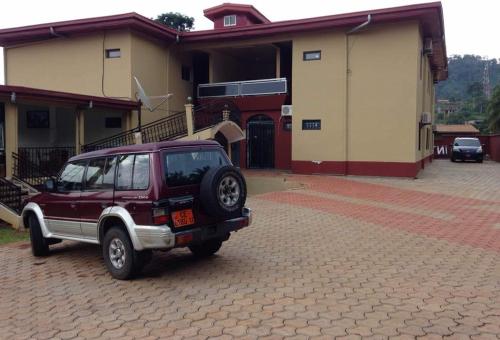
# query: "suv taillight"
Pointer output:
{"type": "Point", "coordinates": [160, 216]}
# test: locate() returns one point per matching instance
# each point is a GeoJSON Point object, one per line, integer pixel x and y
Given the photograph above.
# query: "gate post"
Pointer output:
{"type": "Point", "coordinates": [189, 119]}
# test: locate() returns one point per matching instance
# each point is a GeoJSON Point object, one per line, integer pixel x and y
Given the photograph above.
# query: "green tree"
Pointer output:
{"type": "Point", "coordinates": [494, 111]}
{"type": "Point", "coordinates": [176, 21]}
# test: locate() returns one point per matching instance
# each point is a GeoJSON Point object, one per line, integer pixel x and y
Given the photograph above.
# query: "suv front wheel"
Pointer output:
{"type": "Point", "coordinates": [122, 260]}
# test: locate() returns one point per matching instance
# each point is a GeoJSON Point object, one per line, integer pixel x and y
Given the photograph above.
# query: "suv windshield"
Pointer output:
{"type": "Point", "coordinates": [467, 142]}
{"type": "Point", "coordinates": [188, 167]}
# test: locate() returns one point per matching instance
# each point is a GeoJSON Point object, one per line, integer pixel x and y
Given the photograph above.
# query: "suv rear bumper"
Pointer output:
{"type": "Point", "coordinates": [220, 231]}
{"type": "Point", "coordinates": [162, 237]}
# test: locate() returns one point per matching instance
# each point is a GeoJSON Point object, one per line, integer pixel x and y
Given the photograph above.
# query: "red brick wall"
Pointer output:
{"type": "Point", "coordinates": [495, 148]}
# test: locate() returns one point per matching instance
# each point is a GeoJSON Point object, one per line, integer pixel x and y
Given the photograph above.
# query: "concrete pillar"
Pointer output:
{"type": "Point", "coordinates": [79, 130]}
{"type": "Point", "coordinates": [11, 136]}
{"type": "Point", "coordinates": [278, 62]}
{"type": "Point", "coordinates": [189, 119]}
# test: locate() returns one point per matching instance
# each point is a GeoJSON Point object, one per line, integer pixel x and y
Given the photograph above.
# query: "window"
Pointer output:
{"type": "Point", "coordinates": [71, 177]}
{"type": "Point", "coordinates": [100, 174]}
{"type": "Point", "coordinates": [186, 73]}
{"type": "Point", "coordinates": [38, 119]}
{"type": "Point", "coordinates": [188, 168]}
{"type": "Point", "coordinates": [312, 55]}
{"type": "Point", "coordinates": [113, 53]}
{"type": "Point", "coordinates": [311, 124]}
{"type": "Point", "coordinates": [113, 122]}
{"type": "Point", "coordinates": [140, 178]}
{"type": "Point", "coordinates": [133, 172]}
{"type": "Point", "coordinates": [230, 20]}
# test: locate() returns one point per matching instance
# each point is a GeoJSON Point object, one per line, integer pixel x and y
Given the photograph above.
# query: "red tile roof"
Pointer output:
{"type": "Point", "coordinates": [29, 93]}
{"type": "Point", "coordinates": [430, 16]}
{"type": "Point", "coordinates": [455, 128]}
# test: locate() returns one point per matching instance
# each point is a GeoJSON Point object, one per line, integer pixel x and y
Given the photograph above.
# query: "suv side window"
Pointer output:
{"type": "Point", "coordinates": [100, 174]}
{"type": "Point", "coordinates": [71, 177]}
{"type": "Point", "coordinates": [133, 172]}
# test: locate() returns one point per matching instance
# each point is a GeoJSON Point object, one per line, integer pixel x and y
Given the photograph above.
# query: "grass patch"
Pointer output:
{"type": "Point", "coordinates": [8, 235]}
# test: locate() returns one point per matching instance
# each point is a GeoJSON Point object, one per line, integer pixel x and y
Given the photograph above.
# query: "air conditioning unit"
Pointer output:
{"type": "Point", "coordinates": [286, 110]}
{"type": "Point", "coordinates": [428, 46]}
{"type": "Point", "coordinates": [426, 118]}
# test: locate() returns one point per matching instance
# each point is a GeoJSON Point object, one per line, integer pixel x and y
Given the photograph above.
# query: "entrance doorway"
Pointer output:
{"type": "Point", "coordinates": [260, 142]}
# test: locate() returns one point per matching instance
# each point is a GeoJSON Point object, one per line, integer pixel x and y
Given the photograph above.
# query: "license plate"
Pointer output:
{"type": "Point", "coordinates": [183, 217]}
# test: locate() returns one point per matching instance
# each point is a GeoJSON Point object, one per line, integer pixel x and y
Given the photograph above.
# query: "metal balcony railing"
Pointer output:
{"type": "Point", "coordinates": [259, 87]}
{"type": "Point", "coordinates": [10, 195]}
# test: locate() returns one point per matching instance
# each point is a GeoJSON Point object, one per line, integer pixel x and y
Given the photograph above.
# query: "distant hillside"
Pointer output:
{"type": "Point", "coordinates": [463, 72]}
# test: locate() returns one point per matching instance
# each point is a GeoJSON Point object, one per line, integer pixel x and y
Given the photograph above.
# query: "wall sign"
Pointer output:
{"type": "Point", "coordinates": [311, 55]}
{"type": "Point", "coordinates": [311, 124]}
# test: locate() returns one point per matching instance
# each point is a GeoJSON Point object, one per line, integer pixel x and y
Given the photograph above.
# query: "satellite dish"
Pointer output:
{"type": "Point", "coordinates": [146, 100]}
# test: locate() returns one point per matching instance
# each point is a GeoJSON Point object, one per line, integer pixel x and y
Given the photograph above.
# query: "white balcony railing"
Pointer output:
{"type": "Point", "coordinates": [259, 87]}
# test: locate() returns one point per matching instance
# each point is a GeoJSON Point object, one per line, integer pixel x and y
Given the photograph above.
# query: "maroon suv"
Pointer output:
{"type": "Point", "coordinates": [134, 199]}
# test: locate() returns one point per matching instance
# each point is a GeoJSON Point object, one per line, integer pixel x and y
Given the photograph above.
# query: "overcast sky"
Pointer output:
{"type": "Point", "coordinates": [472, 27]}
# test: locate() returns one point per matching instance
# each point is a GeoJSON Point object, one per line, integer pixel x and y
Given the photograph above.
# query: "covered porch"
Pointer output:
{"type": "Point", "coordinates": [40, 129]}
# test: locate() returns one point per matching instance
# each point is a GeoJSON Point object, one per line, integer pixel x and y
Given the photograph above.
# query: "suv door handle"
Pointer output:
{"type": "Point", "coordinates": [73, 205]}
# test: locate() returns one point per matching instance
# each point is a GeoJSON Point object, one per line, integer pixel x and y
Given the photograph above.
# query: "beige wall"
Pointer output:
{"type": "Point", "coordinates": [319, 93]}
{"type": "Point", "coordinates": [73, 65]}
{"type": "Point", "coordinates": [425, 103]}
{"type": "Point", "coordinates": [382, 93]}
{"type": "Point", "coordinates": [381, 102]}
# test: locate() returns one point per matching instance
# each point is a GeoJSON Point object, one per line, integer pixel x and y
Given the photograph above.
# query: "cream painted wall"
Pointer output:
{"type": "Point", "coordinates": [94, 124]}
{"type": "Point", "coordinates": [73, 65]}
{"type": "Point", "coordinates": [382, 101]}
{"type": "Point", "coordinates": [181, 89]}
{"type": "Point", "coordinates": [319, 93]}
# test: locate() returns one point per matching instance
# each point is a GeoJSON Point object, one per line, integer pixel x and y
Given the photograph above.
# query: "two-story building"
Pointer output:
{"type": "Point", "coordinates": [340, 94]}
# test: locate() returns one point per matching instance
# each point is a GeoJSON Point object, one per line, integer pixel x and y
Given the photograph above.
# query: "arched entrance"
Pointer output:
{"type": "Point", "coordinates": [260, 142]}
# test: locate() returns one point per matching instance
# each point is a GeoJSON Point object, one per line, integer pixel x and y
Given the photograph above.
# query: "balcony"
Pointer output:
{"type": "Point", "coordinates": [261, 87]}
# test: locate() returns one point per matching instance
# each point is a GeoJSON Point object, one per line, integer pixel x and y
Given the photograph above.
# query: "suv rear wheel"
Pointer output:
{"type": "Point", "coordinates": [207, 248]}
{"type": "Point", "coordinates": [122, 260]}
{"type": "Point", "coordinates": [39, 244]}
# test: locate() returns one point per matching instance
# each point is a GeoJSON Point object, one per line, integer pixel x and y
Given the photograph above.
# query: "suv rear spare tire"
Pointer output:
{"type": "Point", "coordinates": [223, 192]}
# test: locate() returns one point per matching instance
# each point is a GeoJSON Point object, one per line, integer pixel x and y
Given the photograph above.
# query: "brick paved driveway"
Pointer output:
{"type": "Point", "coordinates": [334, 257]}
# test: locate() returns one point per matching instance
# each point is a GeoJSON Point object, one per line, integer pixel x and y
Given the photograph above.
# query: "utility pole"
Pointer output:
{"type": "Point", "coordinates": [486, 79]}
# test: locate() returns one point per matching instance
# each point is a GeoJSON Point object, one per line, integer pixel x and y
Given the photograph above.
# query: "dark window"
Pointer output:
{"type": "Point", "coordinates": [113, 53]}
{"type": "Point", "coordinates": [188, 168]}
{"type": "Point", "coordinates": [312, 55]}
{"type": "Point", "coordinates": [186, 73]}
{"type": "Point", "coordinates": [38, 119]}
{"type": "Point", "coordinates": [113, 122]}
{"type": "Point", "coordinates": [311, 124]}
{"type": "Point", "coordinates": [100, 174]}
{"type": "Point", "coordinates": [133, 172]}
{"type": "Point", "coordinates": [71, 177]}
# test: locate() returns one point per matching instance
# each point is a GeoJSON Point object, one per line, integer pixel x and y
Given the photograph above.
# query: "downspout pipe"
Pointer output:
{"type": "Point", "coordinates": [54, 33]}
{"type": "Point", "coordinates": [348, 72]}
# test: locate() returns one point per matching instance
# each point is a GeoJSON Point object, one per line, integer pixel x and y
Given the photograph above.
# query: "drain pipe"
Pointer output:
{"type": "Point", "coordinates": [348, 72]}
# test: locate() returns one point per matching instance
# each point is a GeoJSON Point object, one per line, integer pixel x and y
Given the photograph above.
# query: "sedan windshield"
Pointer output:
{"type": "Point", "coordinates": [467, 142]}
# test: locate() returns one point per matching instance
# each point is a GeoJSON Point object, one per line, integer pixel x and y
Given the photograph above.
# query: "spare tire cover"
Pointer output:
{"type": "Point", "coordinates": [223, 192]}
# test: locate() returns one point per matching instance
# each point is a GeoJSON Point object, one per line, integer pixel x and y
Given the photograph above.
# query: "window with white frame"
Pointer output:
{"type": "Point", "coordinates": [230, 20]}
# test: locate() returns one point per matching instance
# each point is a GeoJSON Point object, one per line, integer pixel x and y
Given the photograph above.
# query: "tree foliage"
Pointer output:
{"type": "Point", "coordinates": [176, 21]}
{"type": "Point", "coordinates": [494, 111]}
{"type": "Point", "coordinates": [463, 72]}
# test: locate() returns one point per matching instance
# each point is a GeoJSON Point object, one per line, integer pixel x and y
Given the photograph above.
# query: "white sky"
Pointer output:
{"type": "Point", "coordinates": [472, 27]}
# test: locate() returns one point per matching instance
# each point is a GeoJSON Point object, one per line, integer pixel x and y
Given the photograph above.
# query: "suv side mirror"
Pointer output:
{"type": "Point", "coordinates": [50, 185]}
